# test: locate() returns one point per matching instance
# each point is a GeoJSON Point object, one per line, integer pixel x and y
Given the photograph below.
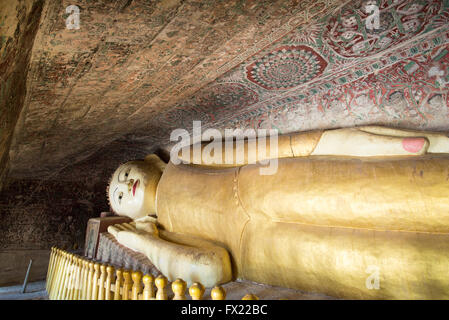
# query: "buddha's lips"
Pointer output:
{"type": "Point", "coordinates": [135, 186]}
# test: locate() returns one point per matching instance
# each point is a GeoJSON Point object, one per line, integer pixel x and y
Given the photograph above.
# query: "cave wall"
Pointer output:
{"type": "Point", "coordinates": [36, 214]}
{"type": "Point", "coordinates": [19, 21]}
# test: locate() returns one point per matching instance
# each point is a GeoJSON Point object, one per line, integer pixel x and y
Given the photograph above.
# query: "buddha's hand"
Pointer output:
{"type": "Point", "coordinates": [176, 255]}
{"type": "Point", "coordinates": [133, 234]}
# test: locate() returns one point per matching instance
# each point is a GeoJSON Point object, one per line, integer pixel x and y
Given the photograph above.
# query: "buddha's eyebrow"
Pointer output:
{"type": "Point", "coordinates": [113, 194]}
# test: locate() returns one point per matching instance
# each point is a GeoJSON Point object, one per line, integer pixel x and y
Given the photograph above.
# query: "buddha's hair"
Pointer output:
{"type": "Point", "coordinates": [108, 198]}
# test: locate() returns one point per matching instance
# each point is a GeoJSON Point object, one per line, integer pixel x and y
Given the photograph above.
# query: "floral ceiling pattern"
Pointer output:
{"type": "Point", "coordinates": [336, 72]}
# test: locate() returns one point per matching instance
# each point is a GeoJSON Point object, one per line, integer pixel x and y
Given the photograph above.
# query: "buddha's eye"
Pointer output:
{"type": "Point", "coordinates": [124, 174]}
{"type": "Point", "coordinates": [120, 196]}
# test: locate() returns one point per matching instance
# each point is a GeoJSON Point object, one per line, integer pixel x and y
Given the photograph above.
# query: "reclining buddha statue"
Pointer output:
{"type": "Point", "coordinates": [353, 213]}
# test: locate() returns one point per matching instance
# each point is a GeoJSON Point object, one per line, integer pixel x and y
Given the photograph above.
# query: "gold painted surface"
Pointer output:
{"type": "Point", "coordinates": [303, 144]}
{"type": "Point", "coordinates": [250, 151]}
{"type": "Point", "coordinates": [339, 261]}
{"type": "Point", "coordinates": [202, 202]}
{"type": "Point", "coordinates": [409, 194]}
{"type": "Point", "coordinates": [320, 223]}
{"type": "Point", "coordinates": [155, 166]}
{"type": "Point", "coordinates": [287, 146]}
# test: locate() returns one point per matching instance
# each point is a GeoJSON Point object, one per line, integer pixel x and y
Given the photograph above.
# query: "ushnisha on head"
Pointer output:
{"type": "Point", "coordinates": [132, 188]}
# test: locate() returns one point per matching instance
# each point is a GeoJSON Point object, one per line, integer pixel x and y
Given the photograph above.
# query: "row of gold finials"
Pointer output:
{"type": "Point", "coordinates": [72, 277]}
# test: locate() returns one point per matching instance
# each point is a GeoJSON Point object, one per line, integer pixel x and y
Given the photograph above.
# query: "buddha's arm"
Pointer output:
{"type": "Point", "coordinates": [242, 152]}
{"type": "Point", "coordinates": [176, 255]}
{"type": "Point", "coordinates": [367, 141]}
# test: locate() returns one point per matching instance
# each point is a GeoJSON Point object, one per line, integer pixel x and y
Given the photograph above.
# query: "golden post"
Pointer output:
{"type": "Point", "coordinates": [250, 296]}
{"type": "Point", "coordinates": [59, 276]}
{"type": "Point", "coordinates": [101, 283]}
{"type": "Point", "coordinates": [90, 281]}
{"type": "Point", "coordinates": [95, 281]}
{"type": "Point", "coordinates": [71, 279]}
{"type": "Point", "coordinates": [118, 284]}
{"type": "Point", "coordinates": [109, 279]}
{"type": "Point", "coordinates": [179, 288]}
{"type": "Point", "coordinates": [218, 293]}
{"type": "Point", "coordinates": [137, 285]}
{"type": "Point", "coordinates": [161, 283]}
{"type": "Point", "coordinates": [66, 277]}
{"type": "Point", "coordinates": [79, 275]}
{"type": "Point", "coordinates": [85, 280]}
{"type": "Point", "coordinates": [196, 291]}
{"type": "Point", "coordinates": [54, 272]}
{"type": "Point", "coordinates": [126, 284]}
{"type": "Point", "coordinates": [50, 268]}
{"type": "Point", "coordinates": [148, 291]}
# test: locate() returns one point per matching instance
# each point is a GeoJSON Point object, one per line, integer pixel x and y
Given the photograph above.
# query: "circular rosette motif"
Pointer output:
{"type": "Point", "coordinates": [286, 67]}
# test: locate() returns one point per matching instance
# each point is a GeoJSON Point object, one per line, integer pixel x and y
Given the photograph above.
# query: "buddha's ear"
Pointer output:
{"type": "Point", "coordinates": [155, 161]}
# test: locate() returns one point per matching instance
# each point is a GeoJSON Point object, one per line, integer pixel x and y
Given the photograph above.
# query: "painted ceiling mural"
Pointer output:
{"type": "Point", "coordinates": [137, 70]}
{"type": "Point", "coordinates": [335, 72]}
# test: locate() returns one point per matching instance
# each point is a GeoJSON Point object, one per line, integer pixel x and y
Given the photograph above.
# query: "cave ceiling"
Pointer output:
{"type": "Point", "coordinates": [136, 70]}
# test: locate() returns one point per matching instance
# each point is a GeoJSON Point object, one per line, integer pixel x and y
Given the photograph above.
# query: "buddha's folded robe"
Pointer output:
{"type": "Point", "coordinates": [203, 202]}
{"type": "Point", "coordinates": [410, 194]}
{"type": "Point", "coordinates": [347, 263]}
{"type": "Point", "coordinates": [319, 223]}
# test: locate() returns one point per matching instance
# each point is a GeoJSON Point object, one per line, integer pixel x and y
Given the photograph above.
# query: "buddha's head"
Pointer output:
{"type": "Point", "coordinates": [132, 189]}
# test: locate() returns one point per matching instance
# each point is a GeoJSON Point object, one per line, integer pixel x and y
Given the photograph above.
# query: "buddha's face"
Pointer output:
{"type": "Point", "coordinates": [126, 192]}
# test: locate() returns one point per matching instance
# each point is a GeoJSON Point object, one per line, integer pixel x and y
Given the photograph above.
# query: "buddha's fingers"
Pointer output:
{"type": "Point", "coordinates": [133, 223]}
{"type": "Point", "coordinates": [128, 226]}
{"type": "Point", "coordinates": [113, 230]}
{"type": "Point", "coordinates": [120, 227]}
